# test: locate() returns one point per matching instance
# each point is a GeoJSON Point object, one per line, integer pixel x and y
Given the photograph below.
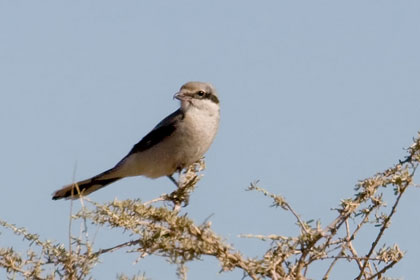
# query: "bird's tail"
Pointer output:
{"type": "Point", "coordinates": [73, 191]}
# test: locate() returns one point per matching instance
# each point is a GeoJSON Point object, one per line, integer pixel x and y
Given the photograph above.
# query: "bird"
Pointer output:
{"type": "Point", "coordinates": [175, 143]}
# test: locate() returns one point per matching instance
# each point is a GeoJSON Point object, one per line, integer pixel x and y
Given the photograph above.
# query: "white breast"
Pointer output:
{"type": "Point", "coordinates": [198, 130]}
{"type": "Point", "coordinates": [186, 145]}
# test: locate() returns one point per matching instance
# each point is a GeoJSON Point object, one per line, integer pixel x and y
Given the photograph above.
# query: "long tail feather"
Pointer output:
{"type": "Point", "coordinates": [85, 187]}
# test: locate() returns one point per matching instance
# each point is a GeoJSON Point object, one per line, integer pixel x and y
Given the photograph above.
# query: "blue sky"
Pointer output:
{"type": "Point", "coordinates": [315, 95]}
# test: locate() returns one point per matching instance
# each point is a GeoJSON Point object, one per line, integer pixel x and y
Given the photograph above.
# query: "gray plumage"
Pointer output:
{"type": "Point", "coordinates": [175, 143]}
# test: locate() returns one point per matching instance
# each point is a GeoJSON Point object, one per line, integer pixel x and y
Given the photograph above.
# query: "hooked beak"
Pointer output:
{"type": "Point", "coordinates": [180, 96]}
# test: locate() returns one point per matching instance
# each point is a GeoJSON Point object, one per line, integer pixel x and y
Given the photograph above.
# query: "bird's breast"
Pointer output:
{"type": "Point", "coordinates": [196, 133]}
{"type": "Point", "coordinates": [188, 143]}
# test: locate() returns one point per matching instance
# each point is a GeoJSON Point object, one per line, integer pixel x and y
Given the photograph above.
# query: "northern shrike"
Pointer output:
{"type": "Point", "coordinates": [175, 143]}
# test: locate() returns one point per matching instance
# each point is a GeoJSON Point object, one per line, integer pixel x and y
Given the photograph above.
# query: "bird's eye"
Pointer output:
{"type": "Point", "coordinates": [201, 93]}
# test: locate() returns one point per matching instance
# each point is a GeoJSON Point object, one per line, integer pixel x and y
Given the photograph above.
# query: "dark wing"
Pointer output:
{"type": "Point", "coordinates": [164, 129]}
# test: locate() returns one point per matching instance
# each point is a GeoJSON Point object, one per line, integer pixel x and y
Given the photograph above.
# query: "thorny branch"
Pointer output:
{"type": "Point", "coordinates": [157, 228]}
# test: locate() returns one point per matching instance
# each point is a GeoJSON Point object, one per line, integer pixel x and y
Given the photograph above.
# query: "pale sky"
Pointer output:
{"type": "Point", "coordinates": [315, 95]}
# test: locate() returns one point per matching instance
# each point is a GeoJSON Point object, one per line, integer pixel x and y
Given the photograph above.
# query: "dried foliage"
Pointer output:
{"type": "Point", "coordinates": [157, 228]}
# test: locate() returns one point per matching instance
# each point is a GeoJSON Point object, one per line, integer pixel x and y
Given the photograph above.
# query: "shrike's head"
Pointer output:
{"type": "Point", "coordinates": [199, 95]}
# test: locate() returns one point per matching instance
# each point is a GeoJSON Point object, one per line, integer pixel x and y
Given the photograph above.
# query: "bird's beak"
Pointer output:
{"type": "Point", "coordinates": [180, 96]}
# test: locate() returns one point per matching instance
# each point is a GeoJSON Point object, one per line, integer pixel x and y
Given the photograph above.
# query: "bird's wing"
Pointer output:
{"type": "Point", "coordinates": [164, 129]}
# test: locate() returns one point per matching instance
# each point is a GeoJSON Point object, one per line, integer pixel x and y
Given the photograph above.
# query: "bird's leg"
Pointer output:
{"type": "Point", "coordinates": [177, 183]}
{"type": "Point", "coordinates": [177, 196]}
{"type": "Point", "coordinates": [179, 177]}
{"type": "Point", "coordinates": [173, 180]}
